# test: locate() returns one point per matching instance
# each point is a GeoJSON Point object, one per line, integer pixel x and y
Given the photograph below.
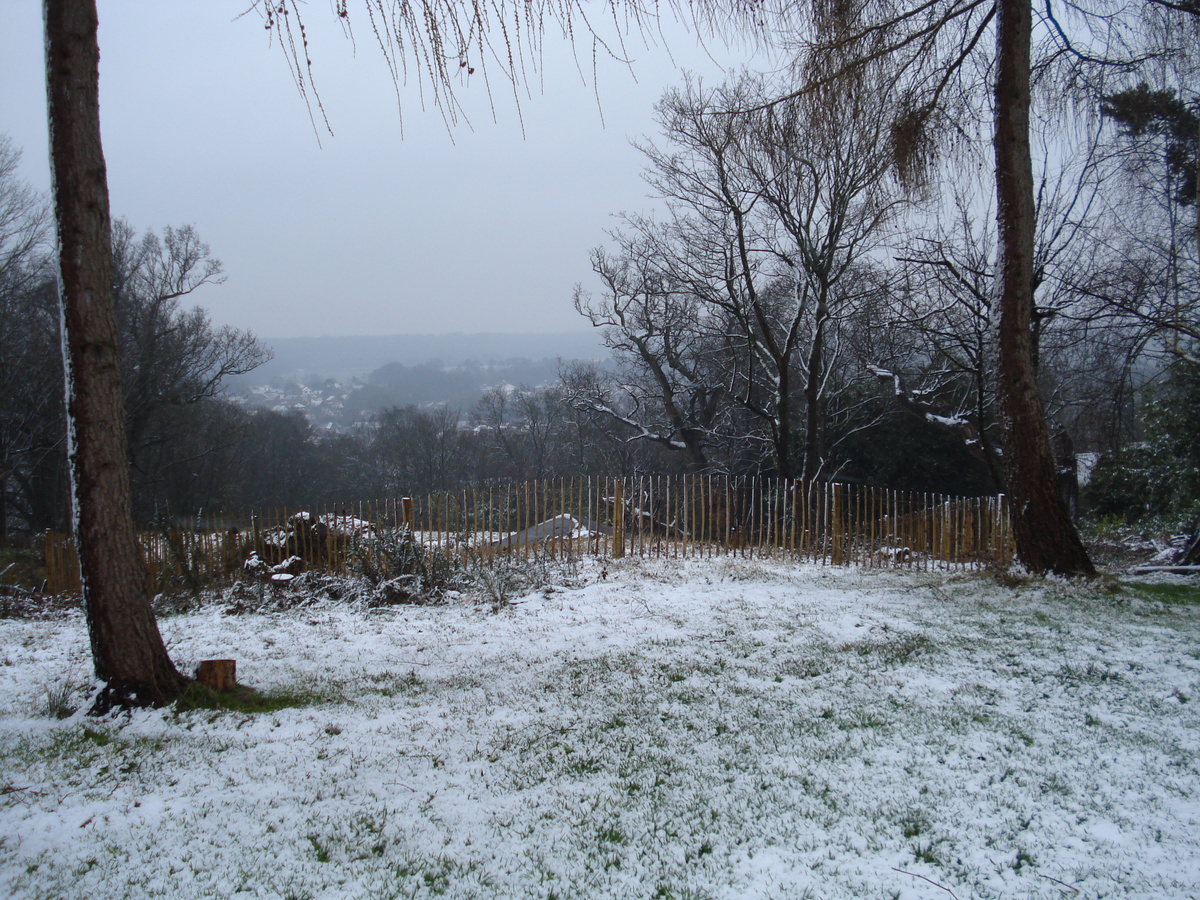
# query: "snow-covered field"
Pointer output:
{"type": "Point", "coordinates": [732, 729]}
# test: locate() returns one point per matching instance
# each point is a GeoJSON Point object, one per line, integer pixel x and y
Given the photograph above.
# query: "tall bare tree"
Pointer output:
{"type": "Point", "coordinates": [1046, 538]}
{"type": "Point", "coordinates": [661, 344]}
{"type": "Point", "coordinates": [775, 209]}
{"type": "Point", "coordinates": [945, 296]}
{"type": "Point", "coordinates": [173, 358]}
{"type": "Point", "coordinates": [828, 185]}
{"type": "Point", "coordinates": [127, 649]}
{"type": "Point", "coordinates": [27, 400]}
{"type": "Point", "coordinates": [946, 49]}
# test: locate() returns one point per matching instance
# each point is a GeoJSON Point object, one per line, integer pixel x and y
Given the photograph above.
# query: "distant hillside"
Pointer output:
{"type": "Point", "coordinates": [344, 357]}
{"type": "Point", "coordinates": [345, 403]}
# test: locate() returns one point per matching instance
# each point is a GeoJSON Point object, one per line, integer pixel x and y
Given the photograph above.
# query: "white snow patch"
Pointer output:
{"type": "Point", "coordinates": [725, 728]}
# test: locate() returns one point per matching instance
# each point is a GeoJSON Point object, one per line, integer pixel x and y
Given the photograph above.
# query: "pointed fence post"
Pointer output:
{"type": "Point", "coordinates": [618, 538]}
{"type": "Point", "coordinates": [837, 527]}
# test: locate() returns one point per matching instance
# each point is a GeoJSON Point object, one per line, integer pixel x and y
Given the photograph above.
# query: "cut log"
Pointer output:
{"type": "Point", "coordinates": [217, 674]}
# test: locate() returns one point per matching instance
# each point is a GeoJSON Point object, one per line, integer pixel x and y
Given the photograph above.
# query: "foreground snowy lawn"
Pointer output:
{"type": "Point", "coordinates": [710, 729]}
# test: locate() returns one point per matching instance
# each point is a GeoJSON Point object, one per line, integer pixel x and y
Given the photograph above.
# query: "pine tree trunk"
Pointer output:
{"type": "Point", "coordinates": [1046, 538]}
{"type": "Point", "coordinates": [127, 649]}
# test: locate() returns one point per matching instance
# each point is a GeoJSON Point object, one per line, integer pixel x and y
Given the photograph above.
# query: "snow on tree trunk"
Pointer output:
{"type": "Point", "coordinates": [1046, 538]}
{"type": "Point", "coordinates": [127, 649]}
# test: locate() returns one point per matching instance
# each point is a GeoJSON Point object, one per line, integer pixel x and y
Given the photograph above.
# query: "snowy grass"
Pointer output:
{"type": "Point", "coordinates": [720, 729]}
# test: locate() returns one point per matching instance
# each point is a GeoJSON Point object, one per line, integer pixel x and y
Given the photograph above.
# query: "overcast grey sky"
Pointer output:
{"type": "Point", "coordinates": [368, 231]}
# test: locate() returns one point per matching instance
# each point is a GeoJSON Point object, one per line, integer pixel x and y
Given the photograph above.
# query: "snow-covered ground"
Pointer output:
{"type": "Point", "coordinates": [724, 728]}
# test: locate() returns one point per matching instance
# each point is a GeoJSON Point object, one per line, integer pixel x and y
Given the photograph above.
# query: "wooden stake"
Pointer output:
{"type": "Point", "coordinates": [618, 536]}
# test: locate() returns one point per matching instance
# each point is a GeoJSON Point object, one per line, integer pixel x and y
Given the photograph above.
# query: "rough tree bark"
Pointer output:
{"type": "Point", "coordinates": [127, 649]}
{"type": "Point", "coordinates": [1046, 538]}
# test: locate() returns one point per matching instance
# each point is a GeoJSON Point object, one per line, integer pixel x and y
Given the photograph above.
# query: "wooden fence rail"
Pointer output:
{"type": "Point", "coordinates": [652, 516]}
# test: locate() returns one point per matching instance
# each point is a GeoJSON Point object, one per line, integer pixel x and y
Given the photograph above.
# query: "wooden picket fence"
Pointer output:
{"type": "Point", "coordinates": [680, 517]}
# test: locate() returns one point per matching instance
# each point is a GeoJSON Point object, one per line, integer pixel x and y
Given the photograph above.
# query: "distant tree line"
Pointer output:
{"type": "Point", "coordinates": [802, 308]}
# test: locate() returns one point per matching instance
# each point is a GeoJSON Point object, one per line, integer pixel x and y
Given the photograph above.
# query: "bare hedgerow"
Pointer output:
{"type": "Point", "coordinates": [503, 577]}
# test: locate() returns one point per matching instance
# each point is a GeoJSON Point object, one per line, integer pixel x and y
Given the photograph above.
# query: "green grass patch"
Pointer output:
{"type": "Point", "coordinates": [896, 649]}
{"type": "Point", "coordinates": [86, 752]}
{"type": "Point", "coordinates": [1092, 673]}
{"type": "Point", "coordinates": [392, 684]}
{"type": "Point", "coordinates": [245, 700]}
{"type": "Point", "coordinates": [1173, 593]}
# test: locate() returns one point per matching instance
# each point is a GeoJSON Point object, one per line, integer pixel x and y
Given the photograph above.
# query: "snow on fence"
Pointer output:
{"type": "Point", "coordinates": [653, 516]}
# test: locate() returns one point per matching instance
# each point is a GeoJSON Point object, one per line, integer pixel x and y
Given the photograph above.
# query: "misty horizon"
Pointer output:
{"type": "Point", "coordinates": [393, 223]}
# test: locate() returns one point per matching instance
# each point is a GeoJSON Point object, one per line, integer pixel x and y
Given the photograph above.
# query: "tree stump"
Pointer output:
{"type": "Point", "coordinates": [217, 674]}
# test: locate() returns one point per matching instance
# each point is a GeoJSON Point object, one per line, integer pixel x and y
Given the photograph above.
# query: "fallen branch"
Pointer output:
{"type": "Point", "coordinates": [930, 880]}
{"type": "Point", "coordinates": [1069, 887]}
